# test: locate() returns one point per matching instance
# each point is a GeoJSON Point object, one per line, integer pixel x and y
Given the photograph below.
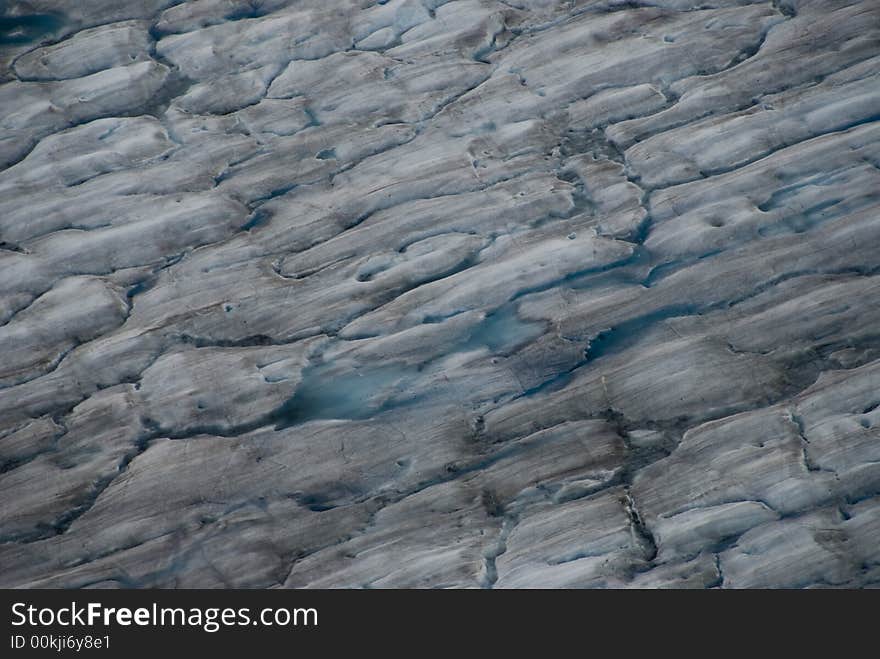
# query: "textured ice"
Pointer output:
{"type": "Point", "coordinates": [467, 293]}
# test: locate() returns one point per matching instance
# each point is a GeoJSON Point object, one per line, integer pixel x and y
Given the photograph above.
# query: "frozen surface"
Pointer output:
{"type": "Point", "coordinates": [455, 294]}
